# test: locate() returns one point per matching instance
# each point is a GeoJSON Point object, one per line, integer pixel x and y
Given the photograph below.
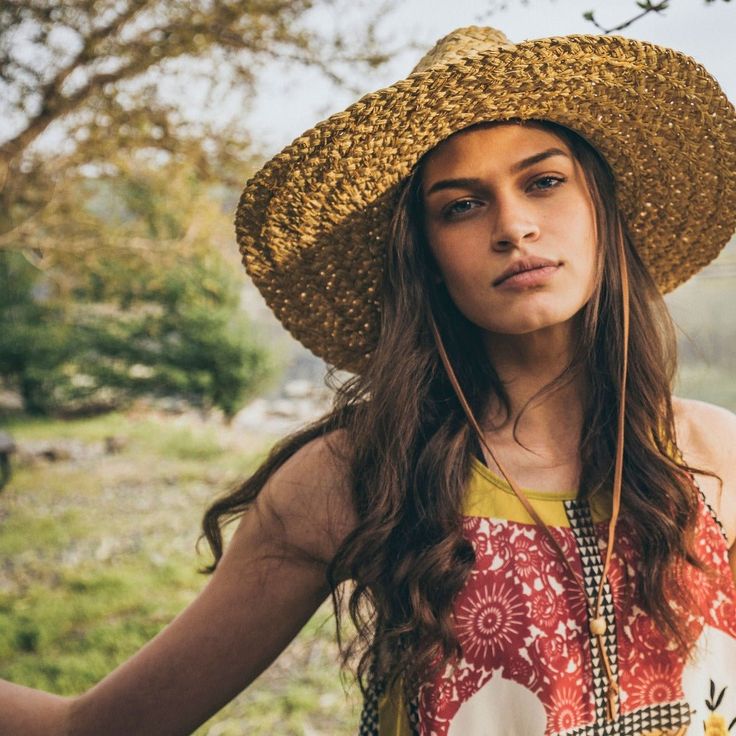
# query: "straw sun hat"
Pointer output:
{"type": "Point", "coordinates": [312, 223]}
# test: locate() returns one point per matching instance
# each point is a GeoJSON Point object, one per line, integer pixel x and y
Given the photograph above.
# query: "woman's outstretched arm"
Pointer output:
{"type": "Point", "coordinates": [23, 710]}
{"type": "Point", "coordinates": [266, 587]}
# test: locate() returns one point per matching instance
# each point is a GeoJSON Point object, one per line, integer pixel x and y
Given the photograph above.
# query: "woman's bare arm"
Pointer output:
{"type": "Point", "coordinates": [268, 584]}
{"type": "Point", "coordinates": [27, 711]}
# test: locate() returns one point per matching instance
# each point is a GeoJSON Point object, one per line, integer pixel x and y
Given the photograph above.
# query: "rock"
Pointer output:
{"type": "Point", "coordinates": [10, 401]}
{"type": "Point", "coordinates": [58, 450]}
{"type": "Point", "coordinates": [298, 389]}
{"type": "Point", "coordinates": [114, 445]}
{"type": "Point", "coordinates": [55, 453]}
{"type": "Point", "coordinates": [7, 444]}
{"type": "Point", "coordinates": [105, 549]}
{"type": "Point", "coordinates": [283, 408]}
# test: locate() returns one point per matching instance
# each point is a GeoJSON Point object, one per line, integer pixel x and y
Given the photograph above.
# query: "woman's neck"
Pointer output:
{"type": "Point", "coordinates": [551, 424]}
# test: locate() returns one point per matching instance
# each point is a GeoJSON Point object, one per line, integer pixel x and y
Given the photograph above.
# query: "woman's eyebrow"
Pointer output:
{"type": "Point", "coordinates": [536, 158]}
{"type": "Point", "coordinates": [470, 182]}
{"type": "Point", "coordinates": [461, 183]}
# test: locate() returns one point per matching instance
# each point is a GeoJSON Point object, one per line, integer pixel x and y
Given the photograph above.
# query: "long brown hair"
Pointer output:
{"type": "Point", "coordinates": [410, 444]}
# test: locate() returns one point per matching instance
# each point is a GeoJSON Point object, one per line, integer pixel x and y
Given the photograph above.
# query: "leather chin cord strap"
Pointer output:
{"type": "Point", "coordinates": [597, 621]}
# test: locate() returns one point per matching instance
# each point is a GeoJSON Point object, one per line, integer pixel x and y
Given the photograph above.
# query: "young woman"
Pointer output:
{"type": "Point", "coordinates": [537, 534]}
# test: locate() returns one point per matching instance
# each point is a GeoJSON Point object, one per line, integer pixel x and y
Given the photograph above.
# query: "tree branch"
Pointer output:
{"type": "Point", "coordinates": [53, 102]}
{"type": "Point", "coordinates": [647, 7]}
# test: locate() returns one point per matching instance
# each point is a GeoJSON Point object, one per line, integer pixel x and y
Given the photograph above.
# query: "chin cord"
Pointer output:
{"type": "Point", "coordinates": [597, 622]}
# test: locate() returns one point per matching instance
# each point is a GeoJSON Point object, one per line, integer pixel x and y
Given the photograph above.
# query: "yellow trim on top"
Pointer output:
{"type": "Point", "coordinates": [490, 496]}
{"type": "Point", "coordinates": [501, 483]}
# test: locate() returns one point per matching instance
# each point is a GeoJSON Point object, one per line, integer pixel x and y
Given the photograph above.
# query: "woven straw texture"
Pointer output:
{"type": "Point", "coordinates": [312, 223]}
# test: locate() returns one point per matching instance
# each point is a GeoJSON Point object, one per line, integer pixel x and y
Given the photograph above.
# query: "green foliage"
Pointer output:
{"type": "Point", "coordinates": [47, 534]}
{"type": "Point", "coordinates": [94, 429]}
{"type": "Point", "coordinates": [152, 310]}
{"type": "Point", "coordinates": [140, 435]}
{"type": "Point", "coordinates": [33, 335]}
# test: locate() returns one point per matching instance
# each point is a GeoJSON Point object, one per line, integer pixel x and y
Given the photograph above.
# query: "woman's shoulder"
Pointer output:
{"type": "Point", "coordinates": [308, 499]}
{"type": "Point", "coordinates": [705, 428]}
{"type": "Point", "coordinates": [706, 436]}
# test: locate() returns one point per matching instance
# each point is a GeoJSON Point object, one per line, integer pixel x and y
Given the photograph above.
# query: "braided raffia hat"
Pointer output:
{"type": "Point", "coordinates": [312, 224]}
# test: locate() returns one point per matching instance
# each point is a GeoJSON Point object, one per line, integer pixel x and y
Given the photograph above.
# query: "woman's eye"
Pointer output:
{"type": "Point", "coordinates": [459, 208]}
{"type": "Point", "coordinates": [547, 182]}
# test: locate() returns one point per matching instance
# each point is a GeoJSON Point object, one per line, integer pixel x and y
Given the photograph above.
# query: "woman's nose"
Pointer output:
{"type": "Point", "coordinates": [514, 224]}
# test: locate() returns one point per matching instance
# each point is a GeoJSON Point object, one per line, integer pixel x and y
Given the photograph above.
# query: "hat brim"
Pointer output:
{"type": "Point", "coordinates": [312, 224]}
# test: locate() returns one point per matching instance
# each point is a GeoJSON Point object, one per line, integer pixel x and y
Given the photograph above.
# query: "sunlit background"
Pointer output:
{"type": "Point", "coordinates": [141, 373]}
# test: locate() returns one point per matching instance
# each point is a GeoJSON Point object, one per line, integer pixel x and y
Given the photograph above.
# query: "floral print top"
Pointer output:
{"type": "Point", "coordinates": [529, 665]}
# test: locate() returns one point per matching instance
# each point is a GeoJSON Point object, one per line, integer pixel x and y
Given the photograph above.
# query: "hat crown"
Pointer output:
{"type": "Point", "coordinates": [460, 44]}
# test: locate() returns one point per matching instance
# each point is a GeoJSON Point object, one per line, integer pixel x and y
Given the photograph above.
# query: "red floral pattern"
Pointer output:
{"type": "Point", "coordinates": [521, 617]}
{"type": "Point", "coordinates": [653, 683]}
{"type": "Point", "coordinates": [565, 709]}
{"type": "Point", "coordinates": [489, 620]}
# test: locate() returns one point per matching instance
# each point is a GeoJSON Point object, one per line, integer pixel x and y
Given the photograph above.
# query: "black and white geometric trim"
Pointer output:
{"type": "Point", "coordinates": [581, 524]}
{"type": "Point", "coordinates": [709, 508]}
{"type": "Point", "coordinates": [369, 715]}
{"type": "Point", "coordinates": [664, 716]}
{"type": "Point", "coordinates": [667, 717]}
{"type": "Point", "coordinates": [413, 713]}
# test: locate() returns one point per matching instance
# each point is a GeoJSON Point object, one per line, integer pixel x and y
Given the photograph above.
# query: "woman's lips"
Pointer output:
{"type": "Point", "coordinates": [526, 279]}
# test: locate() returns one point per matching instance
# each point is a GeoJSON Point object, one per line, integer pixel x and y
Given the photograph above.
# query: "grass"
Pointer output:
{"type": "Point", "coordinates": [66, 636]}
{"type": "Point", "coordinates": [88, 430]}
{"type": "Point", "coordinates": [98, 555]}
{"type": "Point", "coordinates": [173, 438]}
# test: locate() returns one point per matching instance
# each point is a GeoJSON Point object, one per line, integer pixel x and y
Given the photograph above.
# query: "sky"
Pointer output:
{"type": "Point", "coordinates": [291, 99]}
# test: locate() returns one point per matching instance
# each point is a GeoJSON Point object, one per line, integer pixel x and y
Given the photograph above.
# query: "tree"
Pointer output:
{"type": "Point", "coordinates": [80, 335]}
{"type": "Point", "coordinates": [97, 71]}
{"type": "Point", "coordinates": [113, 254]}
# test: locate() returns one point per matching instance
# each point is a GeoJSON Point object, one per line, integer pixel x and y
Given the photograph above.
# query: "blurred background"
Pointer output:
{"type": "Point", "coordinates": [141, 374]}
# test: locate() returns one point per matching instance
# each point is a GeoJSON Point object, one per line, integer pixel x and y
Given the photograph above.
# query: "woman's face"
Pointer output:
{"type": "Point", "coordinates": [511, 224]}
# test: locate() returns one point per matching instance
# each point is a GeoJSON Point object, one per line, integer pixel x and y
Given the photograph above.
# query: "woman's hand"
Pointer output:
{"type": "Point", "coordinates": [266, 587]}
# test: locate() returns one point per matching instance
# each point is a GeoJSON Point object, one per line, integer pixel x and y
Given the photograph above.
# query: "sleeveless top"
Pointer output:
{"type": "Point", "coordinates": [530, 666]}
